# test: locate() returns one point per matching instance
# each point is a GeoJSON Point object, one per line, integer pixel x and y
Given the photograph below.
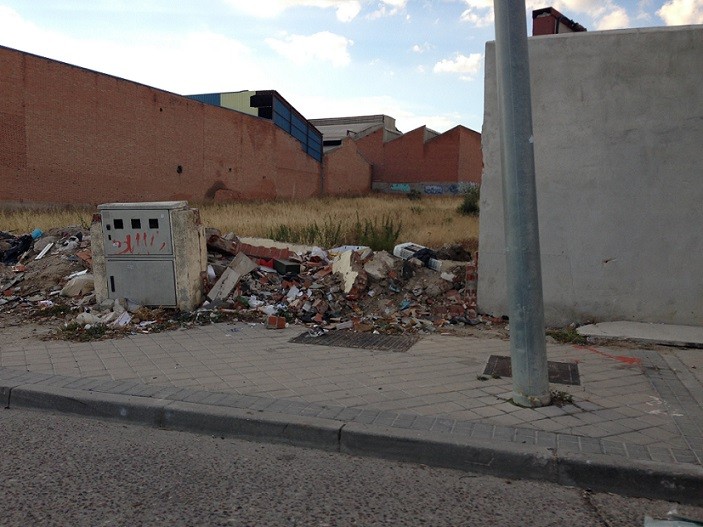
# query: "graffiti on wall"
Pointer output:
{"type": "Point", "coordinates": [430, 189]}
{"type": "Point", "coordinates": [400, 187]}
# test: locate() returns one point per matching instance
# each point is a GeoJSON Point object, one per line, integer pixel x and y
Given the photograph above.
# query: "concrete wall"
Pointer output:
{"type": "Point", "coordinates": [71, 135]}
{"type": "Point", "coordinates": [618, 130]}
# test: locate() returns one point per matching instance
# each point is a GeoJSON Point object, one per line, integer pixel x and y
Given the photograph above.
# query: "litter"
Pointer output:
{"type": "Point", "coordinates": [44, 251]}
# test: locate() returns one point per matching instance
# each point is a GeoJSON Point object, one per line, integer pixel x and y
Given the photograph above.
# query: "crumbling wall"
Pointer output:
{"type": "Point", "coordinates": [71, 135]}
{"type": "Point", "coordinates": [618, 129]}
{"type": "Point", "coordinates": [346, 172]}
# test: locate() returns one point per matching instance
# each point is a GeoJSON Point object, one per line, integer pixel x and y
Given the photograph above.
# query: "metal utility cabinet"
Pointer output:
{"type": "Point", "coordinates": [152, 253]}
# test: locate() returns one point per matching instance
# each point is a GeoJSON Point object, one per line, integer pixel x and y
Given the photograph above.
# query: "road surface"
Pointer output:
{"type": "Point", "coordinates": [73, 471]}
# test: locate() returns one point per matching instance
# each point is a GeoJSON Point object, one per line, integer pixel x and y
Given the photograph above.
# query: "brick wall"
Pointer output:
{"type": "Point", "coordinates": [452, 157]}
{"type": "Point", "coordinates": [346, 172]}
{"type": "Point", "coordinates": [71, 135]}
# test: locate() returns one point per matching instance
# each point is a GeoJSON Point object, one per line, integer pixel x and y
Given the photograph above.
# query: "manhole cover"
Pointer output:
{"type": "Point", "coordinates": [367, 341]}
{"type": "Point", "coordinates": [559, 372]}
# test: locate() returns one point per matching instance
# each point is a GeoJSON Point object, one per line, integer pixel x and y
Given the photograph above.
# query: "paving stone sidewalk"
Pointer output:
{"type": "Point", "coordinates": [633, 404]}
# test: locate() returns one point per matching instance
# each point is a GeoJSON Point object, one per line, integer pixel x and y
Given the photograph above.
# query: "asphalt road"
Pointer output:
{"type": "Point", "coordinates": [73, 471]}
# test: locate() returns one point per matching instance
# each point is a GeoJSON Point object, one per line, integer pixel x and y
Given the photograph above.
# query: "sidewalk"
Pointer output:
{"type": "Point", "coordinates": [633, 423]}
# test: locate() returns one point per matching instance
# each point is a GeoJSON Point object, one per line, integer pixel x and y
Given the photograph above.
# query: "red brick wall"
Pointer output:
{"type": "Point", "coordinates": [454, 156]}
{"type": "Point", "coordinates": [404, 159]}
{"type": "Point", "coordinates": [70, 135]}
{"type": "Point", "coordinates": [371, 147]}
{"type": "Point", "coordinates": [346, 172]}
{"type": "Point", "coordinates": [470, 155]}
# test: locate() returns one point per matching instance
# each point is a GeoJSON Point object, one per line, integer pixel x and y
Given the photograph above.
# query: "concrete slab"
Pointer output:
{"type": "Point", "coordinates": [266, 242]}
{"type": "Point", "coordinates": [673, 335]}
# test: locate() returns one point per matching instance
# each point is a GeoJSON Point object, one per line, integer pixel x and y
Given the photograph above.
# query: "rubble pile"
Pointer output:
{"type": "Point", "coordinates": [346, 287]}
{"type": "Point", "coordinates": [46, 277]}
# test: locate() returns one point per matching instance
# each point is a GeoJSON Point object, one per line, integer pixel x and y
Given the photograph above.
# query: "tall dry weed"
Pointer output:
{"type": "Point", "coordinates": [430, 221]}
{"type": "Point", "coordinates": [23, 220]}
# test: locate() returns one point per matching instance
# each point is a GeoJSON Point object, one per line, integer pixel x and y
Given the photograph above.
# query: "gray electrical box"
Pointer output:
{"type": "Point", "coordinates": [152, 253]}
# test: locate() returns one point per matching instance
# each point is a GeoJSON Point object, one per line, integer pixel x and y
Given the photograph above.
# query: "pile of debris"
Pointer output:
{"type": "Point", "coordinates": [347, 287]}
{"type": "Point", "coordinates": [47, 277]}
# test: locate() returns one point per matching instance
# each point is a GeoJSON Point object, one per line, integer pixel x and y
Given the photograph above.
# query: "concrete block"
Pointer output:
{"type": "Point", "coordinates": [235, 422]}
{"type": "Point", "coordinates": [286, 266]}
{"type": "Point", "coordinates": [379, 265]}
{"type": "Point", "coordinates": [240, 266]}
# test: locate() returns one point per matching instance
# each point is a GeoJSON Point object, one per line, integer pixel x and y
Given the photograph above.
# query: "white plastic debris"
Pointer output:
{"type": "Point", "coordinates": [43, 252]}
{"type": "Point", "coordinates": [121, 321]}
{"type": "Point", "coordinates": [292, 293]}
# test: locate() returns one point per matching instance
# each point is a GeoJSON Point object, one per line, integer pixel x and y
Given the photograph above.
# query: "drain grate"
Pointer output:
{"type": "Point", "coordinates": [367, 341]}
{"type": "Point", "coordinates": [559, 372]}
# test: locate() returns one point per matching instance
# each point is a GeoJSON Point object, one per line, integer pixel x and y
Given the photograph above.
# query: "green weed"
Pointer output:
{"type": "Point", "coordinates": [379, 234]}
{"type": "Point", "coordinates": [567, 335]}
{"type": "Point", "coordinates": [470, 205]}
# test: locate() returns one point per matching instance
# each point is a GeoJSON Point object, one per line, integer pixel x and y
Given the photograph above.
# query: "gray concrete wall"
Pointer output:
{"type": "Point", "coordinates": [618, 129]}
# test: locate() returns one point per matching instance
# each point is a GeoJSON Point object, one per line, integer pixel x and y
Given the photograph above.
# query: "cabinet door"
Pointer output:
{"type": "Point", "coordinates": [147, 282]}
{"type": "Point", "coordinates": [137, 232]}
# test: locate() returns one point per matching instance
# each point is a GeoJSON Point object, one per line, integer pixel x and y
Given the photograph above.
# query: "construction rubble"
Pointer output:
{"type": "Point", "coordinates": [46, 278]}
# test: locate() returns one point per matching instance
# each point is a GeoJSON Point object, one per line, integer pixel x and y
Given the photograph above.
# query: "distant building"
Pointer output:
{"type": "Point", "coordinates": [421, 160]}
{"type": "Point", "coordinates": [335, 129]}
{"type": "Point", "coordinates": [549, 21]}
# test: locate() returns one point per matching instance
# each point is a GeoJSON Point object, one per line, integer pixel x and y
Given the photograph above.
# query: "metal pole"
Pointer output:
{"type": "Point", "coordinates": [528, 350]}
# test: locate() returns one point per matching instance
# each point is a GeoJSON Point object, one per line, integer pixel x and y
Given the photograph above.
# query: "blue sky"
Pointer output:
{"type": "Point", "coordinates": [418, 61]}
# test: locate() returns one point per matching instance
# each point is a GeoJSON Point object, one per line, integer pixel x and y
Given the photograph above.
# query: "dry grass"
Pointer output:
{"type": "Point", "coordinates": [23, 220]}
{"type": "Point", "coordinates": [430, 221]}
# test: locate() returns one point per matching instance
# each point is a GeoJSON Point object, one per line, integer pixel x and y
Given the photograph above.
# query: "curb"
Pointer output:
{"type": "Point", "coordinates": [598, 472]}
{"type": "Point", "coordinates": [595, 472]}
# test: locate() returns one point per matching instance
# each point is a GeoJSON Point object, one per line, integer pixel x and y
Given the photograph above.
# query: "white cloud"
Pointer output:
{"type": "Point", "coordinates": [602, 14]}
{"type": "Point", "coordinates": [192, 63]}
{"type": "Point", "coordinates": [616, 19]}
{"type": "Point", "coordinates": [478, 13]}
{"type": "Point", "coordinates": [388, 8]}
{"type": "Point", "coordinates": [347, 10]}
{"type": "Point", "coordinates": [316, 106]}
{"type": "Point", "coordinates": [467, 67]}
{"type": "Point", "coordinates": [644, 8]}
{"type": "Point", "coordinates": [322, 46]}
{"type": "Point", "coordinates": [21, 34]}
{"type": "Point", "coordinates": [681, 12]}
{"type": "Point", "coordinates": [421, 48]}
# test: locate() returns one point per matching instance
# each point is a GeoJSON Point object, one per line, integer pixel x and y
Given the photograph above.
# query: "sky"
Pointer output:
{"type": "Point", "coordinates": [418, 61]}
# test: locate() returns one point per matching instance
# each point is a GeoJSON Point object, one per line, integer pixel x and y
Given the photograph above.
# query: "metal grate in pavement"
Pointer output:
{"type": "Point", "coordinates": [559, 372]}
{"type": "Point", "coordinates": [367, 341]}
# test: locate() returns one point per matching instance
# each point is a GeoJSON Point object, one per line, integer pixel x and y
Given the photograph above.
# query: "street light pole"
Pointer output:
{"type": "Point", "coordinates": [524, 275]}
